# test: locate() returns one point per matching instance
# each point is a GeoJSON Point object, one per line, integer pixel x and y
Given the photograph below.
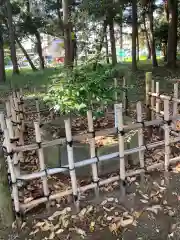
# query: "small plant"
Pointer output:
{"type": "Point", "coordinates": [83, 88]}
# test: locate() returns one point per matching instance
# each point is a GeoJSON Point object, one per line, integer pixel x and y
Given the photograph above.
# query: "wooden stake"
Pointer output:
{"type": "Point", "coordinates": [115, 93]}
{"type": "Point", "coordinates": [175, 104]}
{"type": "Point", "coordinates": [166, 134]}
{"type": "Point", "coordinates": [148, 102]}
{"type": "Point", "coordinates": [152, 98]}
{"type": "Point", "coordinates": [12, 172]}
{"type": "Point", "coordinates": [125, 97]}
{"type": "Point", "coordinates": [121, 142]}
{"type": "Point", "coordinates": [93, 150]}
{"type": "Point", "coordinates": [140, 134]}
{"type": "Point", "coordinates": [71, 161]}
{"type": "Point", "coordinates": [41, 158]}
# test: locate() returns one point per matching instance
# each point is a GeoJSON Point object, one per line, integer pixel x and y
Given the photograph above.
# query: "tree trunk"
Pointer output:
{"type": "Point", "coordinates": [6, 211]}
{"type": "Point", "coordinates": [2, 65]}
{"type": "Point", "coordinates": [147, 37]}
{"type": "Point", "coordinates": [152, 39]}
{"type": "Point", "coordinates": [137, 39]}
{"type": "Point", "coordinates": [172, 34]}
{"type": "Point", "coordinates": [165, 51]}
{"type": "Point", "coordinates": [134, 34]}
{"type": "Point", "coordinates": [39, 50]}
{"type": "Point", "coordinates": [26, 54]}
{"type": "Point", "coordinates": [12, 37]}
{"type": "Point", "coordinates": [67, 34]}
{"type": "Point", "coordinates": [113, 42]}
{"type": "Point", "coordinates": [106, 46]}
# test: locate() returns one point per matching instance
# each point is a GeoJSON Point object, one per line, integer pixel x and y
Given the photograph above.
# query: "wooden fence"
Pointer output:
{"type": "Point", "coordinates": [13, 125]}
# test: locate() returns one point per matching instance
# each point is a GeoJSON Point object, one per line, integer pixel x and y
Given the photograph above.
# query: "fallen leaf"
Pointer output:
{"type": "Point", "coordinates": [154, 209]}
{"type": "Point", "coordinates": [23, 225]}
{"type": "Point", "coordinates": [104, 202]}
{"type": "Point", "coordinates": [59, 231]}
{"type": "Point", "coordinates": [126, 222]}
{"type": "Point", "coordinates": [80, 232]}
{"type": "Point", "coordinates": [92, 226]}
{"type": "Point", "coordinates": [51, 236]}
{"type": "Point", "coordinates": [110, 199]}
{"type": "Point", "coordinates": [39, 224]}
{"type": "Point", "coordinates": [34, 232]}
{"type": "Point", "coordinates": [143, 201]}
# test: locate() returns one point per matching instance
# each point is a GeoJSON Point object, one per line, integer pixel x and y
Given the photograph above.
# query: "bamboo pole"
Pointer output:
{"type": "Point", "coordinates": [41, 158]}
{"type": "Point", "coordinates": [93, 152]}
{"type": "Point", "coordinates": [8, 109]}
{"type": "Point", "coordinates": [148, 81]}
{"type": "Point", "coordinates": [125, 97]}
{"type": "Point", "coordinates": [115, 92]}
{"type": "Point", "coordinates": [164, 97]}
{"type": "Point", "coordinates": [71, 161]}
{"type": "Point", "coordinates": [140, 134]}
{"type": "Point", "coordinates": [12, 172]}
{"type": "Point", "coordinates": [175, 104]}
{"type": "Point", "coordinates": [152, 98]}
{"type": "Point", "coordinates": [166, 134]}
{"type": "Point", "coordinates": [15, 158]}
{"type": "Point", "coordinates": [121, 141]}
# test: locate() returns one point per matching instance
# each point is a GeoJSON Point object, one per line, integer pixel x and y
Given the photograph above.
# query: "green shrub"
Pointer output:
{"type": "Point", "coordinates": [84, 87]}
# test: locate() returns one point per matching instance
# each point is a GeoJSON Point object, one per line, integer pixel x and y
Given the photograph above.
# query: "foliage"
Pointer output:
{"type": "Point", "coordinates": [84, 88]}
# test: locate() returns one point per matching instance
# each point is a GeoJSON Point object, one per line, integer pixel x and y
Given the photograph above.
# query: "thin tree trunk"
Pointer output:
{"type": "Point", "coordinates": [2, 65]}
{"type": "Point", "coordinates": [67, 34]}
{"type": "Point", "coordinates": [172, 34]}
{"type": "Point", "coordinates": [12, 38]}
{"type": "Point", "coordinates": [147, 37]}
{"type": "Point", "coordinates": [6, 211]}
{"type": "Point", "coordinates": [134, 34]}
{"type": "Point", "coordinates": [106, 46]}
{"type": "Point", "coordinates": [39, 50]}
{"type": "Point", "coordinates": [113, 42]}
{"type": "Point", "coordinates": [137, 39]}
{"type": "Point", "coordinates": [165, 51]}
{"type": "Point", "coordinates": [152, 40]}
{"type": "Point", "coordinates": [26, 54]}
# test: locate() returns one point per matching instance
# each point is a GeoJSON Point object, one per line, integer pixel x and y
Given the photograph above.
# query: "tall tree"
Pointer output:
{"type": "Point", "coordinates": [172, 32]}
{"type": "Point", "coordinates": [112, 41]}
{"type": "Point", "coordinates": [134, 34]}
{"type": "Point", "coordinates": [12, 37]}
{"type": "Point", "coordinates": [151, 31]}
{"type": "Point", "coordinates": [67, 33]}
{"type": "Point", "coordinates": [2, 66]}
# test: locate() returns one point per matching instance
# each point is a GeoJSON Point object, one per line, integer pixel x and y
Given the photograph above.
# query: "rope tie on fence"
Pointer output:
{"type": "Point", "coordinates": [39, 144]}
{"type": "Point", "coordinates": [69, 143]}
{"type": "Point", "coordinates": [121, 132]}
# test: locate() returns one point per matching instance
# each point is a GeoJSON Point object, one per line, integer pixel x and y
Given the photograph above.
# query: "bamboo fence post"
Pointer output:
{"type": "Point", "coordinates": [15, 159]}
{"type": "Point", "coordinates": [13, 113]}
{"type": "Point", "coordinates": [41, 159]}
{"type": "Point", "coordinates": [93, 152]}
{"type": "Point", "coordinates": [140, 134]}
{"type": "Point", "coordinates": [148, 102]}
{"type": "Point", "coordinates": [175, 104]}
{"type": "Point", "coordinates": [6, 207]}
{"type": "Point", "coordinates": [166, 134]}
{"type": "Point", "coordinates": [37, 106]}
{"type": "Point", "coordinates": [121, 142]}
{"type": "Point", "coordinates": [158, 107]}
{"type": "Point", "coordinates": [8, 109]}
{"type": "Point", "coordinates": [115, 92]}
{"type": "Point", "coordinates": [71, 161]}
{"type": "Point", "coordinates": [125, 97]}
{"type": "Point", "coordinates": [148, 81]}
{"type": "Point", "coordinates": [152, 98]}
{"type": "Point", "coordinates": [15, 193]}
{"type": "Point", "coordinates": [21, 113]}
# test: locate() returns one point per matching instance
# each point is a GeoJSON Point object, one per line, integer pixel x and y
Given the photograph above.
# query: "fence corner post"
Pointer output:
{"type": "Point", "coordinates": [6, 208]}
